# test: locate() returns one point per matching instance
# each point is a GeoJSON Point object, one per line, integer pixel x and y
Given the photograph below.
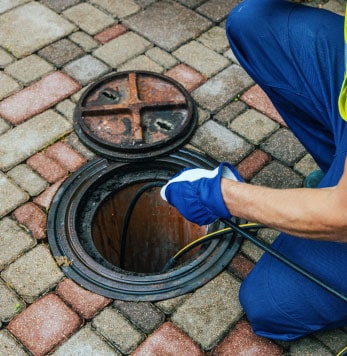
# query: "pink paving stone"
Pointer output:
{"type": "Point", "coordinates": [257, 99]}
{"type": "Point", "coordinates": [44, 200]}
{"type": "Point", "coordinates": [168, 340]}
{"type": "Point", "coordinates": [242, 341]}
{"type": "Point", "coordinates": [110, 33]}
{"type": "Point", "coordinates": [66, 156]}
{"type": "Point", "coordinates": [253, 164]}
{"type": "Point", "coordinates": [37, 97]}
{"type": "Point", "coordinates": [44, 324]}
{"type": "Point", "coordinates": [187, 76]}
{"type": "Point", "coordinates": [48, 168]}
{"type": "Point", "coordinates": [240, 266]}
{"type": "Point", "coordinates": [33, 218]}
{"type": "Point", "coordinates": [82, 301]}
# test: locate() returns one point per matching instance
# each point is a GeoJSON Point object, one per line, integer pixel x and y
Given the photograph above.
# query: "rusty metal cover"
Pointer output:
{"type": "Point", "coordinates": [135, 115]}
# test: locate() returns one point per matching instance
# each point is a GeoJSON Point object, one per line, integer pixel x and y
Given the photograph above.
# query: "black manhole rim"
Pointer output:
{"type": "Point", "coordinates": [114, 282]}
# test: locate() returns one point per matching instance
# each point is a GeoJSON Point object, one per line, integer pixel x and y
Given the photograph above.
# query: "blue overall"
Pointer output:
{"type": "Point", "coordinates": [296, 55]}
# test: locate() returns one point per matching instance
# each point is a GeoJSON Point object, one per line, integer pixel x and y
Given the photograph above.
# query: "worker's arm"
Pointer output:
{"type": "Point", "coordinates": [310, 213]}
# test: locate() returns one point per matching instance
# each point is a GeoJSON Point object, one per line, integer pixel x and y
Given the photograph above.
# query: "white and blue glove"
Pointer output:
{"type": "Point", "coordinates": [196, 193]}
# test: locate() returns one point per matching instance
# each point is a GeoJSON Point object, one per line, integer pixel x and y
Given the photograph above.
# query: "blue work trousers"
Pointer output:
{"type": "Point", "coordinates": [296, 55]}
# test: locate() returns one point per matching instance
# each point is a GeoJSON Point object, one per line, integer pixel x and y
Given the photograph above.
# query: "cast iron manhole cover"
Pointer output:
{"type": "Point", "coordinates": [135, 115]}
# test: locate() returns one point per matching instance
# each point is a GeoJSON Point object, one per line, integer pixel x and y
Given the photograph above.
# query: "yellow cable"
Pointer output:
{"type": "Point", "coordinates": [342, 351]}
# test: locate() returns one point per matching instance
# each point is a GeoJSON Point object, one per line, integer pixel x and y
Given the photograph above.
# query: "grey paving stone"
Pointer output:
{"type": "Point", "coordinates": [277, 175]}
{"type": "Point", "coordinates": [61, 52]}
{"type": "Point", "coordinates": [251, 251]}
{"type": "Point", "coordinates": [215, 39]}
{"type": "Point", "coordinates": [163, 58]}
{"type": "Point", "coordinates": [168, 306]}
{"type": "Point", "coordinates": [309, 347]}
{"type": "Point", "coordinates": [89, 18]}
{"type": "Point", "coordinates": [73, 141]}
{"type": "Point", "coordinates": [335, 340]}
{"type": "Point", "coordinates": [254, 126]}
{"type": "Point", "coordinates": [118, 8]}
{"type": "Point", "coordinates": [84, 40]}
{"type": "Point", "coordinates": [85, 342]}
{"type": "Point", "coordinates": [59, 5]}
{"type": "Point", "coordinates": [30, 137]}
{"type": "Point", "coordinates": [220, 143]}
{"type": "Point", "coordinates": [14, 241]}
{"type": "Point", "coordinates": [145, 3]}
{"type": "Point", "coordinates": [222, 88]}
{"type": "Point", "coordinates": [203, 116]}
{"type": "Point", "coordinates": [9, 346]}
{"type": "Point", "coordinates": [122, 48]}
{"type": "Point", "coordinates": [144, 315]}
{"type": "Point", "coordinates": [217, 10]}
{"type": "Point", "coordinates": [209, 313]}
{"type": "Point", "coordinates": [117, 330]}
{"type": "Point", "coordinates": [5, 58]}
{"type": "Point", "coordinates": [33, 273]}
{"type": "Point", "coordinates": [177, 24]}
{"type": "Point", "coordinates": [11, 196]}
{"type": "Point", "coordinates": [201, 58]}
{"type": "Point", "coordinates": [29, 69]}
{"type": "Point", "coordinates": [4, 126]}
{"type": "Point", "coordinates": [8, 85]}
{"type": "Point", "coordinates": [86, 69]}
{"type": "Point", "coordinates": [66, 108]}
{"type": "Point", "coordinates": [230, 112]}
{"type": "Point", "coordinates": [24, 40]}
{"type": "Point", "coordinates": [191, 3]}
{"type": "Point", "coordinates": [306, 165]}
{"type": "Point", "coordinates": [6, 5]}
{"type": "Point", "coordinates": [10, 304]}
{"type": "Point", "coordinates": [27, 179]}
{"type": "Point", "coordinates": [284, 146]}
{"type": "Point", "coordinates": [142, 63]}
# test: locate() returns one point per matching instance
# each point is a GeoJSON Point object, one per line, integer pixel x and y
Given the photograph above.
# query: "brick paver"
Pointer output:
{"type": "Point", "coordinates": [110, 33]}
{"type": "Point", "coordinates": [187, 76]}
{"type": "Point", "coordinates": [253, 164]}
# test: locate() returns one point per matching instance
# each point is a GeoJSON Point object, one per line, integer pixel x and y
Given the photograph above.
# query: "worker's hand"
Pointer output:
{"type": "Point", "coordinates": [196, 193]}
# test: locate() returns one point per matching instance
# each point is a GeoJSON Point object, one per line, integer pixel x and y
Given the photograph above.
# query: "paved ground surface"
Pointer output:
{"type": "Point", "coordinates": [49, 51]}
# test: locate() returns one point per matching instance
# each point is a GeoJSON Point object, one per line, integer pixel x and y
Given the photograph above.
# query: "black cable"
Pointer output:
{"type": "Point", "coordinates": [127, 217]}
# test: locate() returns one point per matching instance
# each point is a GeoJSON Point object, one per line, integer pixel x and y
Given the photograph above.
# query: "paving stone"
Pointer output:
{"type": "Point", "coordinates": [203, 116]}
{"type": "Point", "coordinates": [86, 69]}
{"type": "Point", "coordinates": [240, 266]}
{"type": "Point", "coordinates": [335, 340]}
{"type": "Point", "coordinates": [268, 235]}
{"type": "Point", "coordinates": [8, 85]}
{"type": "Point", "coordinates": [37, 98]}
{"type": "Point", "coordinates": [23, 141]}
{"type": "Point", "coordinates": [117, 330]}
{"type": "Point", "coordinates": [33, 273]}
{"type": "Point", "coordinates": [4, 126]}
{"type": "Point", "coordinates": [215, 39]}
{"type": "Point", "coordinates": [217, 10]}
{"type": "Point", "coordinates": [306, 165]}
{"type": "Point", "coordinates": [85, 303]}
{"type": "Point", "coordinates": [277, 175]}
{"type": "Point", "coordinates": [14, 241]}
{"type": "Point", "coordinates": [44, 324]}
{"type": "Point", "coordinates": [88, 18]}
{"type": "Point", "coordinates": [230, 54]}
{"type": "Point", "coordinates": [191, 3]}
{"type": "Point", "coordinates": [201, 58]}
{"type": "Point", "coordinates": [11, 195]}
{"type": "Point", "coordinates": [118, 8]}
{"type": "Point", "coordinates": [66, 108]}
{"type": "Point", "coordinates": [253, 126]}
{"type": "Point", "coordinates": [242, 340]}
{"type": "Point", "coordinates": [230, 112]}
{"type": "Point", "coordinates": [45, 199]}
{"type": "Point", "coordinates": [84, 40]}
{"type": "Point", "coordinates": [9, 4]}
{"type": "Point", "coordinates": [9, 346]}
{"type": "Point", "coordinates": [47, 167]}
{"type": "Point", "coordinates": [293, 151]}
{"type": "Point", "coordinates": [170, 341]}
{"type": "Point", "coordinates": [29, 69]}
{"type": "Point", "coordinates": [33, 218]}
{"type": "Point", "coordinates": [310, 347]}
{"type": "Point", "coordinates": [73, 141]}
{"type": "Point", "coordinates": [187, 76]}
{"type": "Point", "coordinates": [251, 251]}
{"type": "Point", "coordinates": [145, 3]}
{"type": "Point", "coordinates": [110, 33]}
{"type": "Point", "coordinates": [257, 99]}
{"type": "Point", "coordinates": [144, 315]}
{"type": "Point", "coordinates": [168, 16]}
{"type": "Point", "coordinates": [61, 52]}
{"type": "Point", "coordinates": [142, 63]}
{"type": "Point", "coordinates": [221, 143]}
{"type": "Point", "coordinates": [253, 164]}
{"type": "Point", "coordinates": [222, 88]}
{"type": "Point", "coordinates": [24, 40]}
{"type": "Point", "coordinates": [59, 5]}
{"type": "Point", "coordinates": [27, 179]}
{"type": "Point", "coordinates": [5, 58]}
{"type": "Point", "coordinates": [210, 311]}
{"type": "Point", "coordinates": [86, 342]}
{"type": "Point", "coordinates": [10, 304]}
{"type": "Point", "coordinates": [121, 49]}
{"type": "Point", "coordinates": [163, 58]}
{"type": "Point", "coordinates": [168, 306]}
